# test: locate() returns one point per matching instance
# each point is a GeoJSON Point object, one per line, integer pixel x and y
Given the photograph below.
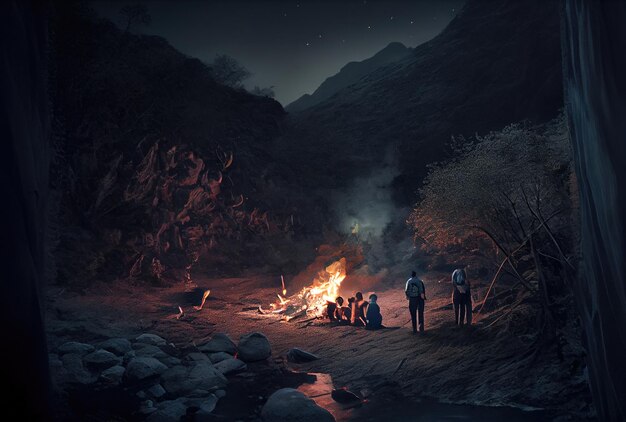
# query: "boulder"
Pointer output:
{"type": "Point", "coordinates": [119, 346]}
{"type": "Point", "coordinates": [141, 368]}
{"type": "Point", "coordinates": [287, 404]}
{"type": "Point", "coordinates": [75, 347]}
{"type": "Point", "coordinates": [230, 366]}
{"type": "Point", "coordinates": [113, 376]}
{"type": "Point", "coordinates": [219, 356]}
{"type": "Point", "coordinates": [254, 347]}
{"type": "Point", "coordinates": [169, 411]}
{"type": "Point", "coordinates": [196, 357]}
{"type": "Point", "coordinates": [157, 391]}
{"type": "Point", "coordinates": [219, 343]}
{"type": "Point", "coordinates": [101, 359]}
{"type": "Point", "coordinates": [152, 339]}
{"type": "Point", "coordinates": [205, 408]}
{"type": "Point", "coordinates": [181, 380]}
{"type": "Point", "coordinates": [74, 371]}
{"type": "Point", "coordinates": [148, 350]}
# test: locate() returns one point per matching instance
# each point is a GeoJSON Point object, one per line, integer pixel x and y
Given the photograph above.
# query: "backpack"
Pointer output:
{"type": "Point", "coordinates": [459, 281]}
{"type": "Point", "coordinates": [413, 289]}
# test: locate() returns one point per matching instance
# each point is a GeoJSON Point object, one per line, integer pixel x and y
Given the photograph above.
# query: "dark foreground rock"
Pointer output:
{"type": "Point", "coordinates": [298, 356]}
{"type": "Point", "coordinates": [287, 405]}
{"type": "Point", "coordinates": [254, 347]}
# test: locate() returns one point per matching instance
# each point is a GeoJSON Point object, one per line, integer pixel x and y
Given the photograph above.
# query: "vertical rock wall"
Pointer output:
{"type": "Point", "coordinates": [594, 46]}
{"type": "Point", "coordinates": [24, 131]}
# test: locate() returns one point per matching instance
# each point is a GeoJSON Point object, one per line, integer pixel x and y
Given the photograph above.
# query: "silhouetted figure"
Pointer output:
{"type": "Point", "coordinates": [347, 310]}
{"type": "Point", "coordinates": [461, 297]}
{"type": "Point", "coordinates": [359, 307]}
{"type": "Point", "coordinates": [373, 316]}
{"type": "Point", "coordinates": [331, 310]}
{"type": "Point", "coordinates": [415, 292]}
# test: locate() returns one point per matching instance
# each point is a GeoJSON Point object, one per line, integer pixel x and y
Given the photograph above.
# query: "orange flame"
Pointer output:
{"type": "Point", "coordinates": [314, 298]}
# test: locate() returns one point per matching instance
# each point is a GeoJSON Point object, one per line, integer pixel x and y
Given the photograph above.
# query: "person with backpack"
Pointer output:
{"type": "Point", "coordinates": [461, 297]}
{"type": "Point", "coordinates": [415, 292]}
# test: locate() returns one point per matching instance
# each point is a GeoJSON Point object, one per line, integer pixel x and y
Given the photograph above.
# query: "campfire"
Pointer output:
{"type": "Point", "coordinates": [312, 300]}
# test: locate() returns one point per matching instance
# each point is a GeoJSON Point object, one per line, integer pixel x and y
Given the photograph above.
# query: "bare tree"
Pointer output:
{"type": "Point", "coordinates": [227, 71]}
{"type": "Point", "coordinates": [135, 14]}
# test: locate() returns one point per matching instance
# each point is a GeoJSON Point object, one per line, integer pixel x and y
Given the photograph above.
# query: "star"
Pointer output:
{"type": "Point", "coordinates": [369, 27]}
{"type": "Point", "coordinates": [319, 36]}
{"type": "Point", "coordinates": [308, 44]}
{"type": "Point", "coordinates": [411, 22]}
{"type": "Point", "coordinates": [391, 18]}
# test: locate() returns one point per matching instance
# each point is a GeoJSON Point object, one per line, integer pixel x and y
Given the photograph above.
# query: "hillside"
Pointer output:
{"type": "Point", "coordinates": [496, 63]}
{"type": "Point", "coordinates": [348, 75]}
{"type": "Point", "coordinates": [158, 168]}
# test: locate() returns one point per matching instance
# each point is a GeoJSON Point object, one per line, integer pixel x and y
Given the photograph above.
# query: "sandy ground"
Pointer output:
{"type": "Point", "coordinates": [475, 365]}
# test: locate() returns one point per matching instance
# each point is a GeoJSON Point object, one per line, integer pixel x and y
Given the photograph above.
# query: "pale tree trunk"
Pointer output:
{"type": "Point", "coordinates": [24, 136]}
{"type": "Point", "coordinates": [594, 47]}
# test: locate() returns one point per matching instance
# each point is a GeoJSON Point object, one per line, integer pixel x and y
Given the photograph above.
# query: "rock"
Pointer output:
{"type": "Point", "coordinates": [157, 391]}
{"type": "Point", "coordinates": [220, 394]}
{"type": "Point", "coordinates": [219, 356]}
{"type": "Point", "coordinates": [152, 339]}
{"type": "Point", "coordinates": [148, 350]}
{"type": "Point", "coordinates": [170, 361]}
{"type": "Point", "coordinates": [75, 347]}
{"type": "Point", "coordinates": [113, 375]}
{"type": "Point", "coordinates": [75, 372]}
{"type": "Point", "coordinates": [230, 366]}
{"type": "Point", "coordinates": [181, 380]}
{"type": "Point", "coordinates": [287, 405]}
{"type": "Point", "coordinates": [147, 407]}
{"type": "Point", "coordinates": [119, 346]}
{"type": "Point", "coordinates": [141, 368]}
{"type": "Point", "coordinates": [195, 357]}
{"type": "Point", "coordinates": [254, 347]}
{"type": "Point", "coordinates": [206, 407]}
{"type": "Point", "coordinates": [129, 356]}
{"type": "Point", "coordinates": [219, 343]}
{"type": "Point", "coordinates": [101, 359]}
{"type": "Point", "coordinates": [298, 356]}
{"type": "Point", "coordinates": [169, 411]}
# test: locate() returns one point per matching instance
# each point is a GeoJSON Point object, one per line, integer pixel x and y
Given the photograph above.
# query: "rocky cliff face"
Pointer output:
{"type": "Point", "coordinates": [496, 63]}
{"type": "Point", "coordinates": [594, 68]}
{"type": "Point", "coordinates": [350, 74]}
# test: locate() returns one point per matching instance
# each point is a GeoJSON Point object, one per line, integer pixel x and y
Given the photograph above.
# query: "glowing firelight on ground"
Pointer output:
{"type": "Point", "coordinates": [314, 298]}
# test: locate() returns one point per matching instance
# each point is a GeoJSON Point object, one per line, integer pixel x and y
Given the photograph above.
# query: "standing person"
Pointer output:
{"type": "Point", "coordinates": [461, 297]}
{"type": "Point", "coordinates": [415, 292]}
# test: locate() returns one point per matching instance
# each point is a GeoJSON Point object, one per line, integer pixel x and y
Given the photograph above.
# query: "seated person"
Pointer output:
{"type": "Point", "coordinates": [347, 310]}
{"type": "Point", "coordinates": [373, 317]}
{"type": "Point", "coordinates": [359, 307]}
{"type": "Point", "coordinates": [339, 309]}
{"type": "Point", "coordinates": [331, 310]}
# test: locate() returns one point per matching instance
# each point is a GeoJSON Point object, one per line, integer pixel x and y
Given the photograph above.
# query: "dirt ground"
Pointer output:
{"type": "Point", "coordinates": [462, 365]}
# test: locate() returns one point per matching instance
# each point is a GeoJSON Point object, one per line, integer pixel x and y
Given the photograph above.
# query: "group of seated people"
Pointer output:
{"type": "Point", "coordinates": [358, 312]}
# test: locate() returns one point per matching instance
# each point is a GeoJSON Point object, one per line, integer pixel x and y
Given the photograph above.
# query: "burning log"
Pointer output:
{"type": "Point", "coordinates": [204, 297]}
{"type": "Point", "coordinates": [314, 298]}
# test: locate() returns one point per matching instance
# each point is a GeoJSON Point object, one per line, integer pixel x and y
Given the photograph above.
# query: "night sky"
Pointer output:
{"type": "Point", "coordinates": [291, 45]}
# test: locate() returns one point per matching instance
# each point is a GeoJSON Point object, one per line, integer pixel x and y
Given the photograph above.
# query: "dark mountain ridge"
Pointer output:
{"type": "Point", "coordinates": [496, 63]}
{"type": "Point", "coordinates": [349, 74]}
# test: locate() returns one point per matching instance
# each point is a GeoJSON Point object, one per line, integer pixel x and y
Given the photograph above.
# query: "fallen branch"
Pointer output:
{"type": "Point", "coordinates": [204, 297]}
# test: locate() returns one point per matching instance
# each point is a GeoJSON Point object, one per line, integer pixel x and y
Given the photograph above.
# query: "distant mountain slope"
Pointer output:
{"type": "Point", "coordinates": [349, 74]}
{"type": "Point", "coordinates": [496, 63]}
